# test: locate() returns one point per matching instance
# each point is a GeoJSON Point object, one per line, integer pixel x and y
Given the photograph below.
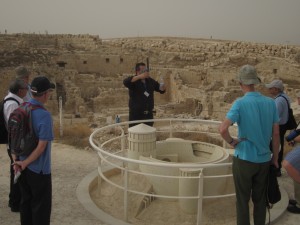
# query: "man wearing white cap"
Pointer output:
{"type": "Point", "coordinates": [282, 102]}
{"type": "Point", "coordinates": [257, 120]}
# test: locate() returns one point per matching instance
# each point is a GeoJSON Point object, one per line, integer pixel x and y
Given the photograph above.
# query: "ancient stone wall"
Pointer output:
{"type": "Point", "coordinates": [64, 41]}
{"type": "Point", "coordinates": [200, 74]}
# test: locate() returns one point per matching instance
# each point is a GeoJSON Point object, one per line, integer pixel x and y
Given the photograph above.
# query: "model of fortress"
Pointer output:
{"type": "Point", "coordinates": [143, 146]}
{"type": "Point", "coordinates": [199, 73]}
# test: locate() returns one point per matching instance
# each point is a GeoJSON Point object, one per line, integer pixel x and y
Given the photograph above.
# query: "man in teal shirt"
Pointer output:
{"type": "Point", "coordinates": [257, 119]}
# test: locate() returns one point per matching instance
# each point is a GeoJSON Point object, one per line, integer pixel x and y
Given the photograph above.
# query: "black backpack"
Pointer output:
{"type": "Point", "coordinates": [3, 129]}
{"type": "Point", "coordinates": [21, 137]}
{"type": "Point", "coordinates": [291, 124]}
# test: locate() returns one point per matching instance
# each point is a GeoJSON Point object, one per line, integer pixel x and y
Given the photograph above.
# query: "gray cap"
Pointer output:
{"type": "Point", "coordinates": [276, 84]}
{"type": "Point", "coordinates": [247, 75]}
{"type": "Point", "coordinates": [22, 72]}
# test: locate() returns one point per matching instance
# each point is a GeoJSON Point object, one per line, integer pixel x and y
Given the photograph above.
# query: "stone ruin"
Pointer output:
{"type": "Point", "coordinates": [199, 73]}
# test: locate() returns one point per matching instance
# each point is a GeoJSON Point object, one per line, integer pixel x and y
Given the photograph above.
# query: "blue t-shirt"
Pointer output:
{"type": "Point", "coordinates": [42, 125]}
{"type": "Point", "coordinates": [255, 115]}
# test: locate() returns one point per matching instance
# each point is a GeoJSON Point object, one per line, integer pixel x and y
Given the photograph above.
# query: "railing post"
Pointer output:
{"type": "Point", "coordinates": [126, 193]}
{"type": "Point", "coordinates": [123, 150]}
{"type": "Point", "coordinates": [224, 143]}
{"type": "Point", "coordinates": [200, 198]}
{"type": "Point", "coordinates": [171, 129]}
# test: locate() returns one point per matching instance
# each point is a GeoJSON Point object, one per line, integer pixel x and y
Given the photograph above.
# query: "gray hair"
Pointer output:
{"type": "Point", "coordinates": [16, 85]}
{"type": "Point", "coordinates": [22, 72]}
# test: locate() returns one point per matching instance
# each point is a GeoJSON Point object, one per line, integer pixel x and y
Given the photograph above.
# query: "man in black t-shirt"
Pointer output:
{"type": "Point", "coordinates": [141, 94]}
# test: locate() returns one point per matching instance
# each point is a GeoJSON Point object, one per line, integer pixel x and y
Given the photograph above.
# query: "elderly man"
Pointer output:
{"type": "Point", "coordinates": [257, 120]}
{"type": "Point", "coordinates": [282, 102]}
{"type": "Point", "coordinates": [17, 91]}
{"type": "Point", "coordinates": [23, 73]}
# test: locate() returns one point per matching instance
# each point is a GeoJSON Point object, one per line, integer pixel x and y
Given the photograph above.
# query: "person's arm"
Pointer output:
{"type": "Point", "coordinates": [16, 167]}
{"type": "Point", "coordinates": [129, 81]}
{"type": "Point", "coordinates": [33, 156]}
{"type": "Point", "coordinates": [161, 88]}
{"type": "Point", "coordinates": [275, 144]}
{"type": "Point", "coordinates": [297, 139]}
{"type": "Point", "coordinates": [224, 131]}
{"type": "Point", "coordinates": [140, 76]}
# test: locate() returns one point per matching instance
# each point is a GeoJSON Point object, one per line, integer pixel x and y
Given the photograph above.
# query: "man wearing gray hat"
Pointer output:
{"type": "Point", "coordinates": [282, 101]}
{"type": "Point", "coordinates": [257, 120]}
{"type": "Point", "coordinates": [23, 73]}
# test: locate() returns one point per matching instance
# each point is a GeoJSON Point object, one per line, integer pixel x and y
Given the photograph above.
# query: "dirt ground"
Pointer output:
{"type": "Point", "coordinates": [69, 167]}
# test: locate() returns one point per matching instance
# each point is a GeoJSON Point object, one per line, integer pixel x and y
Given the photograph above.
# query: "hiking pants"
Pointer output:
{"type": "Point", "coordinates": [36, 195]}
{"type": "Point", "coordinates": [250, 180]}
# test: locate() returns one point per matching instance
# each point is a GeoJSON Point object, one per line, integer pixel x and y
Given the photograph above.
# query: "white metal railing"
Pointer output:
{"type": "Point", "coordinates": [117, 159]}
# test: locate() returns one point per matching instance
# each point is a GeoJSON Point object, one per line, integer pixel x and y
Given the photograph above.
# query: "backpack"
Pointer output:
{"type": "Point", "coordinates": [21, 136]}
{"type": "Point", "coordinates": [3, 129]}
{"type": "Point", "coordinates": [291, 124]}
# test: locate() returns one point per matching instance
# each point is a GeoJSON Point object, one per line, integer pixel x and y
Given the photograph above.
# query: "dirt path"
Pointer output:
{"type": "Point", "coordinates": [69, 167]}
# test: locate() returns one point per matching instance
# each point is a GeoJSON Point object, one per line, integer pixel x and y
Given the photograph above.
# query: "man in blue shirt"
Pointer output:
{"type": "Point", "coordinates": [282, 101]}
{"type": "Point", "coordinates": [35, 180]}
{"type": "Point", "coordinates": [257, 120]}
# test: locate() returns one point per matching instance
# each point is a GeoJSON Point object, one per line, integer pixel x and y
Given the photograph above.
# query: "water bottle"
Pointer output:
{"type": "Point", "coordinates": [161, 82]}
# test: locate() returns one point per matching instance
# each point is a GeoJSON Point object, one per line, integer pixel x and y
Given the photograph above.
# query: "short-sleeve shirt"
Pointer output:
{"type": "Point", "coordinates": [282, 107]}
{"type": "Point", "coordinates": [255, 116]}
{"type": "Point", "coordinates": [43, 128]}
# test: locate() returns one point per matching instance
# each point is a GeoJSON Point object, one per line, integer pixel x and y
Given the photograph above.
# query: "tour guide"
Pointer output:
{"type": "Point", "coordinates": [141, 99]}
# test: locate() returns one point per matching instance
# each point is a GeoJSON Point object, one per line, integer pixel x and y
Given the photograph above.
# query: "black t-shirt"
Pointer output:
{"type": "Point", "coordinates": [141, 95]}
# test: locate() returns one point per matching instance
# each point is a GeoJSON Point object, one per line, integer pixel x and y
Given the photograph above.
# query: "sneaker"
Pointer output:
{"type": "Point", "coordinates": [278, 174]}
{"type": "Point", "coordinates": [293, 209]}
{"type": "Point", "coordinates": [15, 209]}
{"type": "Point", "coordinates": [292, 202]}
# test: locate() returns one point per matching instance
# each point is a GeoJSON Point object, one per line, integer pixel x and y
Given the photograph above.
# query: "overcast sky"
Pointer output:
{"type": "Point", "coordinates": [266, 21]}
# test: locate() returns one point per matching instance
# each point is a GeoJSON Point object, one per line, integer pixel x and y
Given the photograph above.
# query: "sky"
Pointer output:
{"type": "Point", "coordinates": [263, 21]}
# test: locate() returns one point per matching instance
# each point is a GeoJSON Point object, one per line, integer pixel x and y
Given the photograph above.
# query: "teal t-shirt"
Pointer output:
{"type": "Point", "coordinates": [255, 116]}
